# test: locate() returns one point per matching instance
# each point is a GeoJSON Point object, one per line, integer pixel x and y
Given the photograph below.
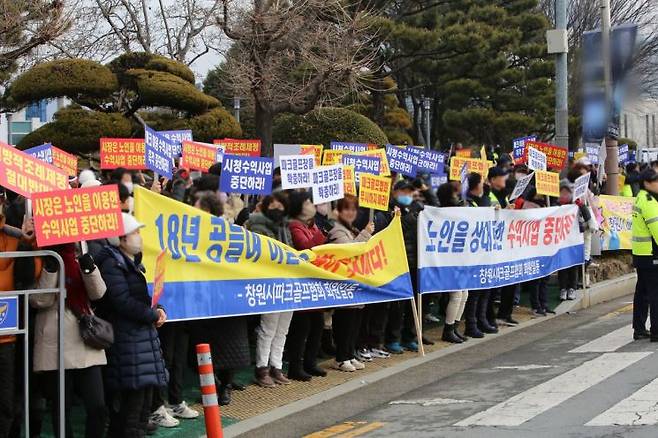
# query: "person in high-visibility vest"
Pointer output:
{"type": "Point", "coordinates": [645, 256]}
{"type": "Point", "coordinates": [632, 182]}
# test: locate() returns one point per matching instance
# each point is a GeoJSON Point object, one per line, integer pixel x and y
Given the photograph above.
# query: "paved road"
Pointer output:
{"type": "Point", "coordinates": [588, 380]}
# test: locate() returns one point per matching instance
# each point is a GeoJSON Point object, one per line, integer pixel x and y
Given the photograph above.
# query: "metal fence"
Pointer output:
{"type": "Point", "coordinates": [61, 290]}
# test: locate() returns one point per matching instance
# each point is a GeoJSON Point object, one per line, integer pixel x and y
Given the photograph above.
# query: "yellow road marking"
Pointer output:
{"type": "Point", "coordinates": [627, 308]}
{"type": "Point", "coordinates": [335, 430]}
{"type": "Point", "coordinates": [362, 430]}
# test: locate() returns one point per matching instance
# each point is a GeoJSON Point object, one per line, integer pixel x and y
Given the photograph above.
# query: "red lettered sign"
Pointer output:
{"type": "Point", "coordinates": [65, 161]}
{"type": "Point", "coordinates": [26, 175]}
{"type": "Point", "coordinates": [556, 156]}
{"type": "Point", "coordinates": [244, 148]}
{"type": "Point", "coordinates": [198, 156]}
{"type": "Point", "coordinates": [67, 216]}
{"type": "Point", "coordinates": [122, 152]}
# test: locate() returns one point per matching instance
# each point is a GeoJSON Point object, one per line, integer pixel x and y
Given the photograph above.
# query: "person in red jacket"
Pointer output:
{"type": "Point", "coordinates": [305, 334]}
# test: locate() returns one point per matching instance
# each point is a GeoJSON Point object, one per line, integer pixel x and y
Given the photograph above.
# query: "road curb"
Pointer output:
{"type": "Point", "coordinates": [598, 293]}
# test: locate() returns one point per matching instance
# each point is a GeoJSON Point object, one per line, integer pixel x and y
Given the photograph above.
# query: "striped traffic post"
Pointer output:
{"type": "Point", "coordinates": [211, 412]}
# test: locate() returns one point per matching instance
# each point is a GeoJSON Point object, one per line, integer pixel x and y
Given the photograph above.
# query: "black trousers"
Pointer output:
{"type": "Point", "coordinates": [645, 300]}
{"type": "Point", "coordinates": [175, 341]}
{"type": "Point", "coordinates": [568, 278]}
{"type": "Point", "coordinates": [86, 383]}
{"type": "Point", "coordinates": [539, 293]}
{"type": "Point", "coordinates": [130, 413]}
{"type": "Point", "coordinates": [373, 325]}
{"type": "Point", "coordinates": [476, 307]}
{"type": "Point", "coordinates": [7, 388]}
{"type": "Point", "coordinates": [346, 324]}
{"type": "Point", "coordinates": [507, 301]}
{"type": "Point", "coordinates": [304, 336]}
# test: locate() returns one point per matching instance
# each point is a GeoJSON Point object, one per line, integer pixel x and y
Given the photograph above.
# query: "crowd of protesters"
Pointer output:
{"type": "Point", "coordinates": [136, 385]}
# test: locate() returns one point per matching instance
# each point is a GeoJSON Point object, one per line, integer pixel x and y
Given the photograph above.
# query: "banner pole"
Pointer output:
{"type": "Point", "coordinates": [371, 215]}
{"type": "Point", "coordinates": [421, 348]}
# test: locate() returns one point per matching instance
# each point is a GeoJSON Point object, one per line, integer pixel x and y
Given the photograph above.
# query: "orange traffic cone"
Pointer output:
{"type": "Point", "coordinates": [209, 392]}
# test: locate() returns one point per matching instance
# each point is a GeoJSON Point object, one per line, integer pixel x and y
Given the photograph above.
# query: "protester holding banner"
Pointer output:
{"type": "Point", "coordinates": [83, 363]}
{"type": "Point", "coordinates": [271, 221]}
{"type": "Point", "coordinates": [632, 182]}
{"type": "Point", "coordinates": [347, 320]}
{"type": "Point", "coordinates": [135, 364]}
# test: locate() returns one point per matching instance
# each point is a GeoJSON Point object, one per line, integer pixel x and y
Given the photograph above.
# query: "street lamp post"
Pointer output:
{"type": "Point", "coordinates": [612, 152]}
{"type": "Point", "coordinates": [426, 109]}
{"type": "Point", "coordinates": [236, 108]}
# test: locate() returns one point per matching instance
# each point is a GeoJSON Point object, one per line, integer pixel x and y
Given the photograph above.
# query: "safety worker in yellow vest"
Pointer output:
{"type": "Point", "coordinates": [645, 256]}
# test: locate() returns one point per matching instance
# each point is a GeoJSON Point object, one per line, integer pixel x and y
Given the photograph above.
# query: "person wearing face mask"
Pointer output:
{"type": "Point", "coordinates": [135, 367]}
{"type": "Point", "coordinates": [273, 327]}
{"type": "Point", "coordinates": [347, 320]}
{"type": "Point", "coordinates": [303, 343]}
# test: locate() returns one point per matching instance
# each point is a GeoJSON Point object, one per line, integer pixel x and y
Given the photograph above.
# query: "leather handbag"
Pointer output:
{"type": "Point", "coordinates": [96, 332]}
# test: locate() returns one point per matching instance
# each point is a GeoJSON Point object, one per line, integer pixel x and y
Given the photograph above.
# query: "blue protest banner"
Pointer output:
{"type": "Point", "coordinates": [43, 152]}
{"type": "Point", "coordinates": [438, 180]}
{"type": "Point", "coordinates": [247, 175]}
{"type": "Point", "coordinates": [158, 153]}
{"type": "Point", "coordinates": [623, 154]}
{"type": "Point", "coordinates": [402, 160]}
{"type": "Point", "coordinates": [8, 313]}
{"type": "Point", "coordinates": [432, 162]}
{"type": "Point", "coordinates": [519, 146]}
{"type": "Point", "coordinates": [177, 138]}
{"type": "Point", "coordinates": [363, 164]}
{"type": "Point", "coordinates": [348, 146]}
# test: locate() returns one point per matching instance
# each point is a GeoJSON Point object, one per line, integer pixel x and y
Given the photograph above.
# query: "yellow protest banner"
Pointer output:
{"type": "Point", "coordinates": [547, 183]}
{"type": "Point", "coordinates": [332, 156]}
{"type": "Point", "coordinates": [578, 155]}
{"type": "Point", "coordinates": [216, 268]}
{"type": "Point", "coordinates": [483, 153]}
{"type": "Point", "coordinates": [349, 180]}
{"type": "Point", "coordinates": [315, 149]}
{"type": "Point", "coordinates": [385, 170]}
{"type": "Point", "coordinates": [617, 223]}
{"type": "Point", "coordinates": [374, 191]}
{"type": "Point", "coordinates": [463, 153]}
{"type": "Point", "coordinates": [474, 165]}
{"type": "Point", "coordinates": [621, 181]}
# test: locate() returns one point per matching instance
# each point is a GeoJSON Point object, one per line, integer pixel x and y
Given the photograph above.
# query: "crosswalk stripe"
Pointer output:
{"type": "Point", "coordinates": [534, 401]}
{"type": "Point", "coordinates": [640, 409]}
{"type": "Point", "coordinates": [607, 343]}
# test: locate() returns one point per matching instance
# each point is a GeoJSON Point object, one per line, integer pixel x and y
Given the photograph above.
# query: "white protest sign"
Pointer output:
{"type": "Point", "coordinates": [296, 171]}
{"type": "Point", "coordinates": [536, 159]}
{"type": "Point", "coordinates": [328, 183]}
{"type": "Point", "coordinates": [580, 187]}
{"type": "Point", "coordinates": [464, 181]}
{"type": "Point", "coordinates": [285, 149]}
{"type": "Point", "coordinates": [521, 185]}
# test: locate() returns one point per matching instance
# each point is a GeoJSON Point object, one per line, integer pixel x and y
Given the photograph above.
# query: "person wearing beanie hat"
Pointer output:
{"type": "Point", "coordinates": [86, 176]}
{"type": "Point", "coordinates": [135, 366]}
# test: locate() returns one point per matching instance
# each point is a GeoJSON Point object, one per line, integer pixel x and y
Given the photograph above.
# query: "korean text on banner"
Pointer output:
{"type": "Point", "coordinates": [55, 156]}
{"type": "Point", "coordinates": [328, 183]}
{"type": "Point", "coordinates": [580, 187]}
{"type": "Point", "coordinates": [122, 152]}
{"type": "Point", "coordinates": [220, 269]}
{"type": "Point", "coordinates": [362, 164]}
{"type": "Point", "coordinates": [547, 183]}
{"type": "Point", "coordinates": [593, 150]}
{"type": "Point", "coordinates": [474, 165]}
{"type": "Point", "coordinates": [296, 171]}
{"type": "Point", "coordinates": [623, 154]}
{"type": "Point", "coordinates": [616, 226]}
{"type": "Point", "coordinates": [384, 169]}
{"type": "Point", "coordinates": [67, 216]}
{"type": "Point", "coordinates": [247, 175]}
{"type": "Point", "coordinates": [349, 180]}
{"type": "Point", "coordinates": [26, 175]}
{"type": "Point", "coordinates": [243, 148]}
{"type": "Point", "coordinates": [374, 192]}
{"type": "Point", "coordinates": [437, 180]}
{"type": "Point", "coordinates": [556, 156]}
{"type": "Point", "coordinates": [198, 156]}
{"type": "Point", "coordinates": [315, 150]}
{"type": "Point", "coordinates": [518, 145]}
{"type": "Point", "coordinates": [432, 162]}
{"type": "Point", "coordinates": [402, 160]}
{"type": "Point", "coordinates": [463, 153]}
{"type": "Point", "coordinates": [177, 138]}
{"type": "Point", "coordinates": [159, 153]}
{"type": "Point", "coordinates": [331, 156]}
{"type": "Point", "coordinates": [159, 277]}
{"type": "Point", "coordinates": [481, 248]}
{"type": "Point", "coordinates": [536, 159]}
{"type": "Point", "coordinates": [521, 185]}
{"type": "Point", "coordinates": [350, 147]}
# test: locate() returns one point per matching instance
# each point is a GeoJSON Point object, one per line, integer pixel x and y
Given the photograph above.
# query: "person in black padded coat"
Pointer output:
{"type": "Point", "coordinates": [135, 367]}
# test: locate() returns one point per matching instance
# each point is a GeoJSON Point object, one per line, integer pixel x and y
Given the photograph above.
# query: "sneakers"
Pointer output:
{"type": "Point", "coordinates": [563, 295]}
{"type": "Point", "coordinates": [431, 318]}
{"type": "Point", "coordinates": [163, 419]}
{"type": "Point", "coordinates": [357, 365]}
{"type": "Point", "coordinates": [379, 353]}
{"type": "Point", "coordinates": [571, 294]}
{"type": "Point", "coordinates": [394, 348]}
{"type": "Point", "coordinates": [345, 366]}
{"type": "Point", "coordinates": [183, 411]}
{"type": "Point", "coordinates": [363, 354]}
{"type": "Point", "coordinates": [411, 346]}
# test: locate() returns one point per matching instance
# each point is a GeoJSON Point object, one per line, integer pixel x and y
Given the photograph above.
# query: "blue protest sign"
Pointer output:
{"type": "Point", "coordinates": [363, 163]}
{"type": "Point", "coordinates": [43, 152]}
{"type": "Point", "coordinates": [402, 160]}
{"type": "Point", "coordinates": [438, 180]}
{"type": "Point", "coordinates": [247, 175]}
{"type": "Point", "coordinates": [432, 162]}
{"type": "Point", "coordinates": [348, 146]}
{"type": "Point", "coordinates": [8, 313]}
{"type": "Point", "coordinates": [158, 152]}
{"type": "Point", "coordinates": [519, 146]}
{"type": "Point", "coordinates": [623, 154]}
{"type": "Point", "coordinates": [177, 138]}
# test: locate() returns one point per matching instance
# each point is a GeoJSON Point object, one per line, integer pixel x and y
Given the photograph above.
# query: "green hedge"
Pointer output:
{"type": "Point", "coordinates": [323, 125]}
{"type": "Point", "coordinates": [216, 123]}
{"type": "Point", "coordinates": [70, 77]}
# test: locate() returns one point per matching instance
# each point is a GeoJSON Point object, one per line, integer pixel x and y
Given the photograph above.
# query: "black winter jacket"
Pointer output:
{"type": "Point", "coordinates": [135, 360]}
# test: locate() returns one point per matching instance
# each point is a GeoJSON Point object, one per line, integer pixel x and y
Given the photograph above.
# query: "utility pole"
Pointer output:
{"type": "Point", "coordinates": [612, 152]}
{"type": "Point", "coordinates": [236, 108]}
{"type": "Point", "coordinates": [558, 44]}
{"type": "Point", "coordinates": [426, 110]}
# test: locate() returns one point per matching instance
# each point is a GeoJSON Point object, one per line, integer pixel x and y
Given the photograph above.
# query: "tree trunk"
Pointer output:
{"type": "Point", "coordinates": [264, 121]}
